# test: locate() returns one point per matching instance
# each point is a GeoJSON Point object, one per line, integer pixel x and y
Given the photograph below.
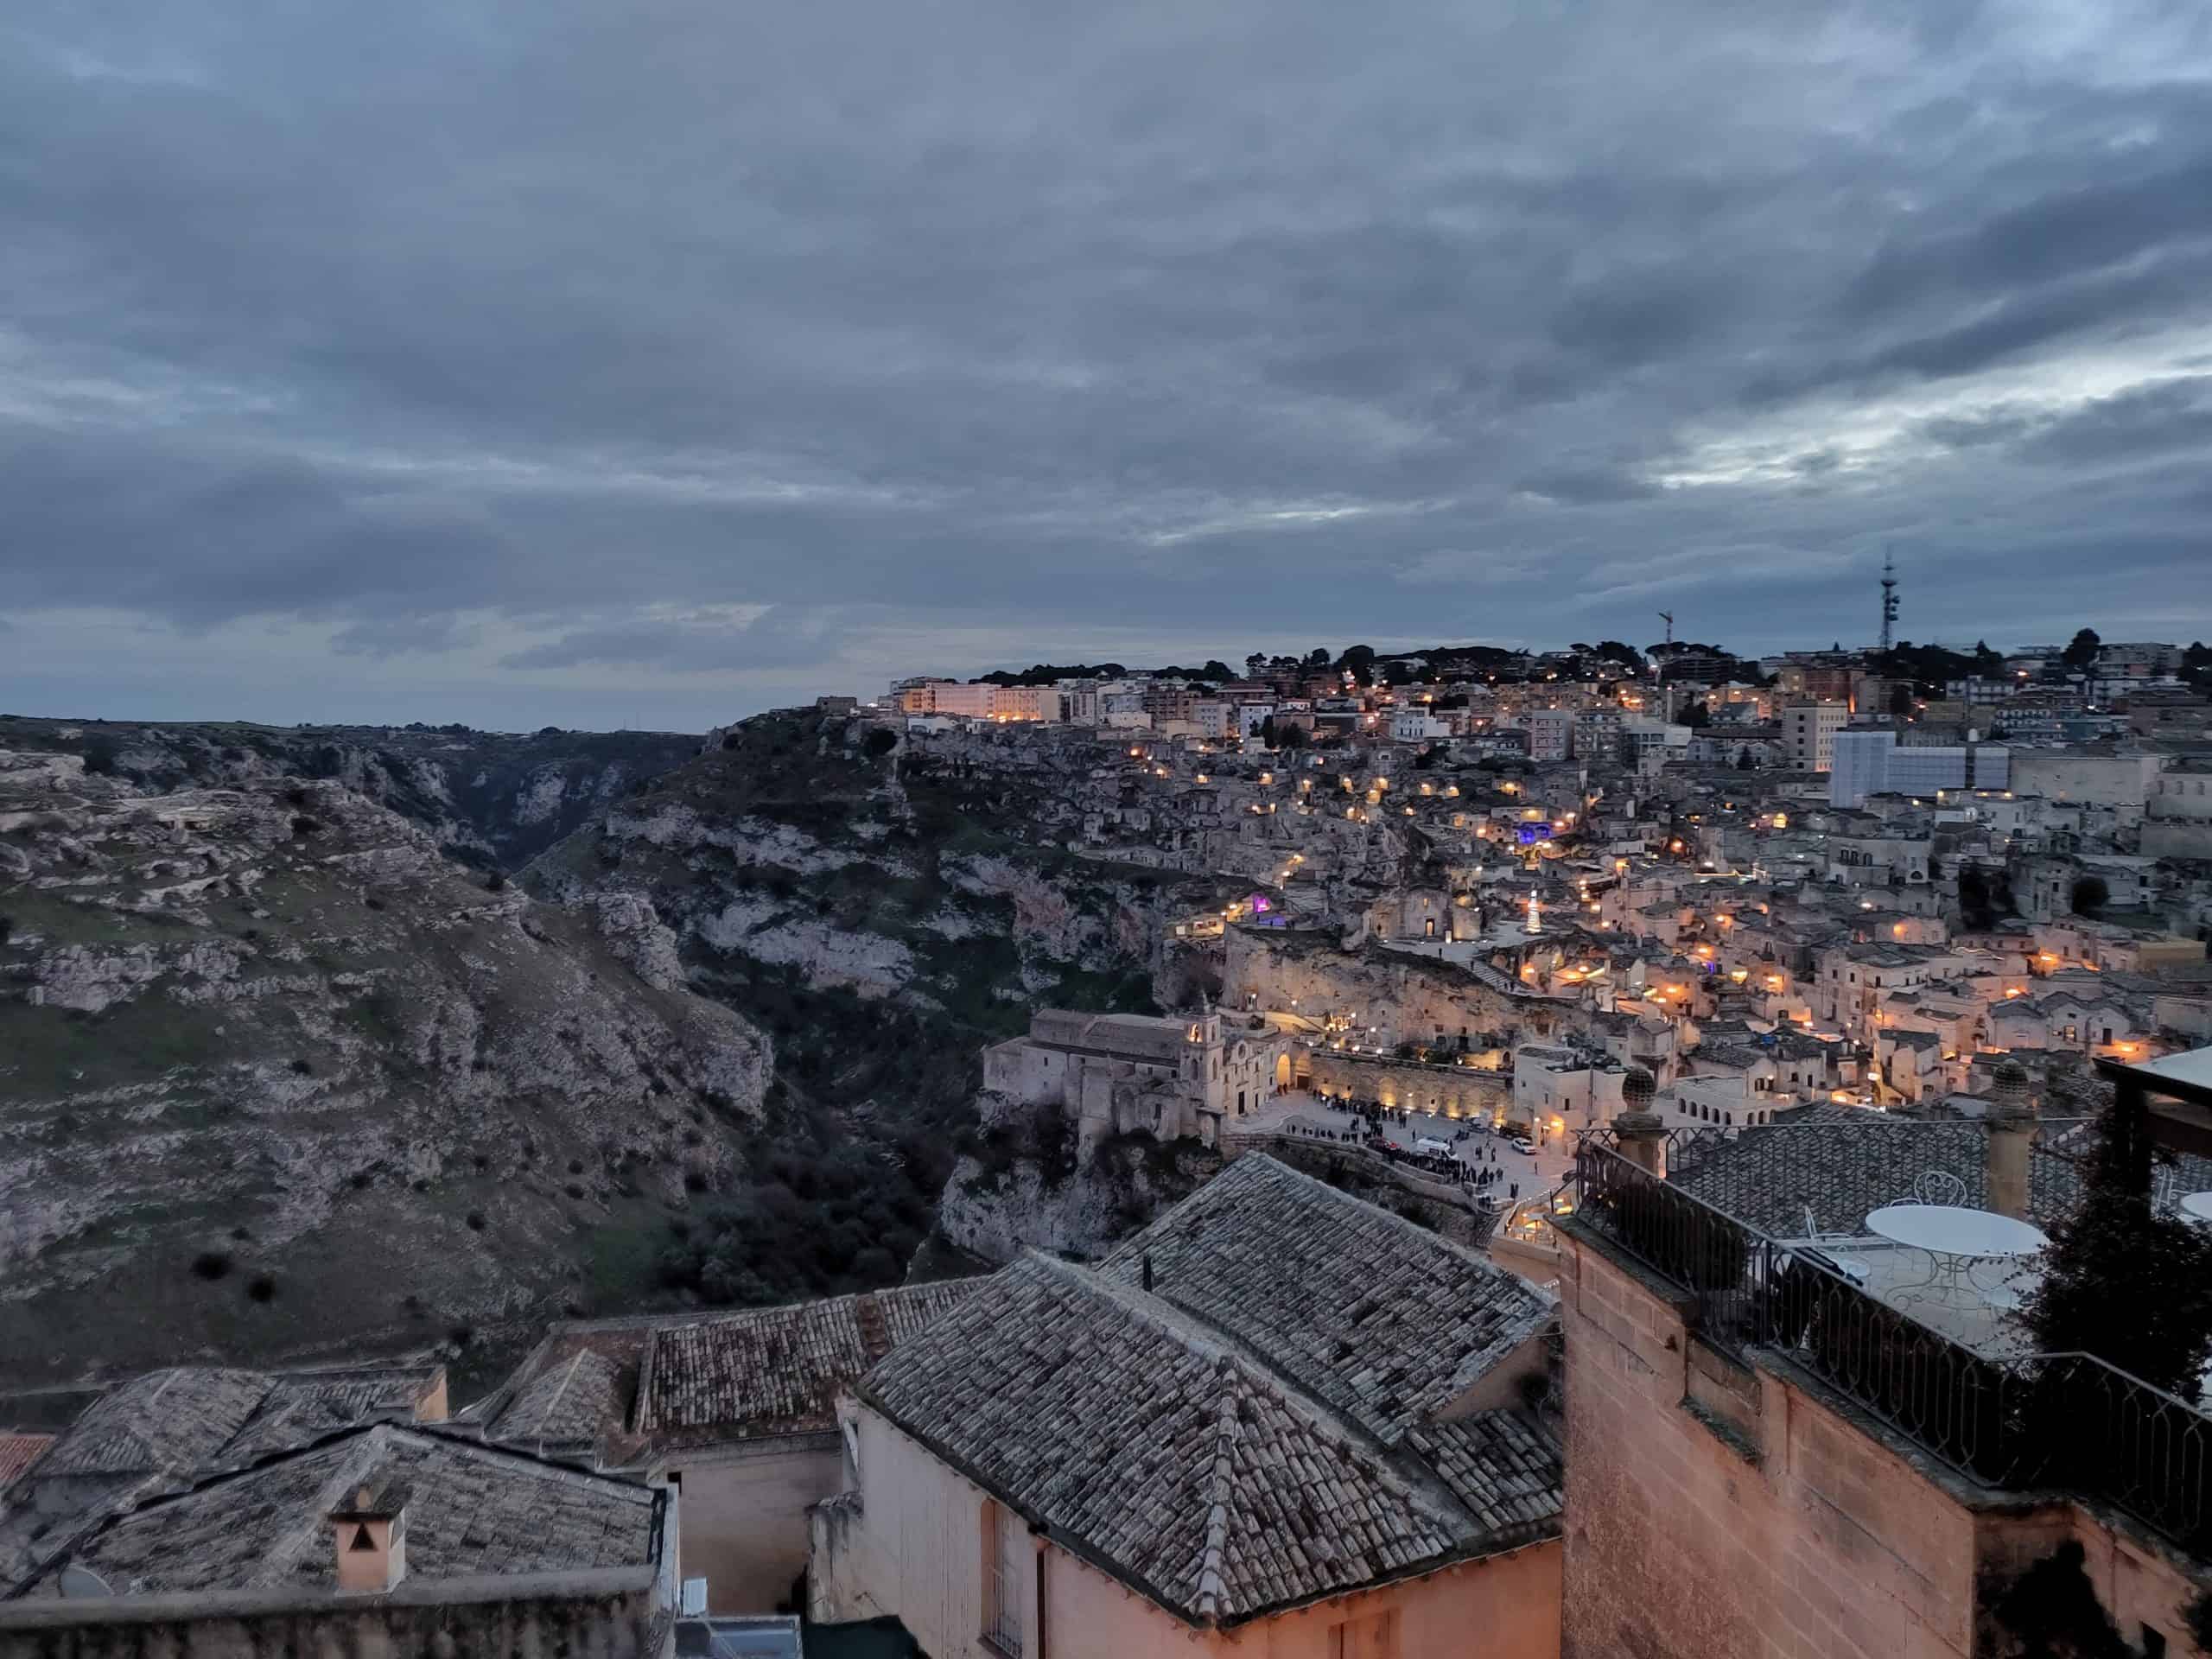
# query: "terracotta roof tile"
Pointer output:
{"type": "Point", "coordinates": [470, 1510]}
{"type": "Point", "coordinates": [1262, 1426]}
{"type": "Point", "coordinates": [777, 1371]}
{"type": "Point", "coordinates": [17, 1453]}
{"type": "Point", "coordinates": [1382, 1319]}
{"type": "Point", "coordinates": [1182, 1466]}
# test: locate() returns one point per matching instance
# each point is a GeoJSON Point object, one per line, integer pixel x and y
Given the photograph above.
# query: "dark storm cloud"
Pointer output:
{"type": "Point", "coordinates": [567, 349]}
{"type": "Point", "coordinates": [2052, 237]}
{"type": "Point", "coordinates": [778, 637]}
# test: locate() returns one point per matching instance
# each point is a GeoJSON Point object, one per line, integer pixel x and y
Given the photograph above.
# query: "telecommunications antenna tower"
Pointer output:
{"type": "Point", "coordinates": [1889, 598]}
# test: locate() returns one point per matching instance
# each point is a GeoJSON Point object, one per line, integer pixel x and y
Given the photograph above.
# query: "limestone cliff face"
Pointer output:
{"type": "Point", "coordinates": [886, 912]}
{"type": "Point", "coordinates": [274, 1074]}
{"type": "Point", "coordinates": [803, 846]}
{"type": "Point", "coordinates": [1027, 1187]}
{"type": "Point", "coordinates": [491, 799]}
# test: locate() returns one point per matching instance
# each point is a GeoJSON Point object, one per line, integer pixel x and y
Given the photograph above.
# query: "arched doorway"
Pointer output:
{"type": "Point", "coordinates": [1282, 1072]}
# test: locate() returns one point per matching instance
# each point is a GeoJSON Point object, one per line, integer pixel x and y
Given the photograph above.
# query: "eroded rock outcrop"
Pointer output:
{"type": "Point", "coordinates": [274, 1072]}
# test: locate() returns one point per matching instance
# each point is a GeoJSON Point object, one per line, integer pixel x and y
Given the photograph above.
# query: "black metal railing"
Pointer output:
{"type": "Point", "coordinates": [1796, 1180]}
{"type": "Point", "coordinates": [2069, 1422]}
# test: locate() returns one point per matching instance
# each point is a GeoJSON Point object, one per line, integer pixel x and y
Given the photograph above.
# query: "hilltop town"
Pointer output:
{"type": "Point", "coordinates": [1328, 1152]}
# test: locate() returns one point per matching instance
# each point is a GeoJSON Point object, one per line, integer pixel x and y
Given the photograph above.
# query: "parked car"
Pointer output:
{"type": "Point", "coordinates": [1523, 1143]}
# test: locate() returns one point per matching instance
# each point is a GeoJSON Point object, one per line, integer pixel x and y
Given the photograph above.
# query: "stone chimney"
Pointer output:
{"type": "Point", "coordinates": [1642, 1131]}
{"type": "Point", "coordinates": [2011, 1125]}
{"type": "Point", "coordinates": [372, 1534]}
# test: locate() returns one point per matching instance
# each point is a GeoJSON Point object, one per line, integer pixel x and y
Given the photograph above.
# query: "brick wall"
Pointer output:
{"type": "Point", "coordinates": [1720, 1510]}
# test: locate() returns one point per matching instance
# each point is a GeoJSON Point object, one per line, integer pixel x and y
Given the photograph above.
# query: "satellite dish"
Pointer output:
{"type": "Point", "coordinates": [82, 1583]}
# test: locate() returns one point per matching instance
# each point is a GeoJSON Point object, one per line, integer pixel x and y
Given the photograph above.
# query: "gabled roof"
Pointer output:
{"type": "Point", "coordinates": [776, 1370]}
{"type": "Point", "coordinates": [181, 1417]}
{"type": "Point", "coordinates": [192, 1419]}
{"type": "Point", "coordinates": [571, 1403]}
{"type": "Point", "coordinates": [1148, 1444]}
{"type": "Point", "coordinates": [1282, 1416]}
{"type": "Point", "coordinates": [470, 1510]}
{"type": "Point", "coordinates": [168, 1428]}
{"type": "Point", "coordinates": [304, 1406]}
{"type": "Point", "coordinates": [624, 1387]}
{"type": "Point", "coordinates": [1380, 1319]}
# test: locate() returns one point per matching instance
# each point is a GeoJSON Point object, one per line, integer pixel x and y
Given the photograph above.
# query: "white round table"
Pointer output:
{"type": "Point", "coordinates": [2197, 1206]}
{"type": "Point", "coordinates": [1954, 1238]}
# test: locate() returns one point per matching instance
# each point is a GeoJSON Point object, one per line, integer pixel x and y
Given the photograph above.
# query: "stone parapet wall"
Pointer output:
{"type": "Point", "coordinates": [1734, 1511]}
{"type": "Point", "coordinates": [603, 1615]}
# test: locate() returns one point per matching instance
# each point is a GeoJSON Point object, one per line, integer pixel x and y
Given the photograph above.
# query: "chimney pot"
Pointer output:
{"type": "Point", "coordinates": [370, 1535]}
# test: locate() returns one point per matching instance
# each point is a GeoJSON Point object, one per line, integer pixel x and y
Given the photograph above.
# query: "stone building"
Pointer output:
{"type": "Point", "coordinates": [384, 1538]}
{"type": "Point", "coordinates": [1559, 1092]}
{"type": "Point", "coordinates": [167, 1429]}
{"type": "Point", "coordinates": [1121, 1073]}
{"type": "Point", "coordinates": [735, 1410]}
{"type": "Point", "coordinates": [1279, 1421]}
{"type": "Point", "coordinates": [1815, 1470]}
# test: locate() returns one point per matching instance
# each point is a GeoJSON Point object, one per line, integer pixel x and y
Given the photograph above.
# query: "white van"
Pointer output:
{"type": "Point", "coordinates": [1432, 1147]}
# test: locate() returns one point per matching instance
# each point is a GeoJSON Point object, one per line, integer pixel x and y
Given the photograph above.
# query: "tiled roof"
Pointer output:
{"type": "Point", "coordinates": [572, 1402]}
{"type": "Point", "coordinates": [777, 1371]}
{"type": "Point", "coordinates": [470, 1510]}
{"type": "Point", "coordinates": [303, 1407]}
{"type": "Point", "coordinates": [1381, 1319]}
{"type": "Point", "coordinates": [1503, 1465]}
{"type": "Point", "coordinates": [191, 1421]}
{"type": "Point", "coordinates": [166, 1429]}
{"type": "Point", "coordinates": [1152, 1446]}
{"type": "Point", "coordinates": [177, 1419]}
{"type": "Point", "coordinates": [1773, 1179]}
{"type": "Point", "coordinates": [18, 1452]}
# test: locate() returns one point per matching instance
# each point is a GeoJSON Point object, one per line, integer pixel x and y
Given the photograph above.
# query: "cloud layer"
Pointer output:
{"type": "Point", "coordinates": [517, 362]}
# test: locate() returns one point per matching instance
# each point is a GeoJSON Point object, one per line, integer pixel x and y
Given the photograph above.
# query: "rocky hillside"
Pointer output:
{"type": "Point", "coordinates": [277, 1077]}
{"type": "Point", "coordinates": [491, 799]}
{"type": "Point", "coordinates": [882, 914]}
{"type": "Point", "coordinates": [1024, 1184]}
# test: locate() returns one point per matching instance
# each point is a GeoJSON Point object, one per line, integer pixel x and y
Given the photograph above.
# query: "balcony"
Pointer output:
{"type": "Point", "coordinates": [1764, 1237]}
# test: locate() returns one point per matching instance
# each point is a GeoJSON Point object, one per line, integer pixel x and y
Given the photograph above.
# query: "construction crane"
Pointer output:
{"type": "Point", "coordinates": [1668, 617]}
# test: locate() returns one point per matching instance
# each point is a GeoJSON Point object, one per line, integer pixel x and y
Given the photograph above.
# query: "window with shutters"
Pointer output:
{"type": "Point", "coordinates": [1003, 1554]}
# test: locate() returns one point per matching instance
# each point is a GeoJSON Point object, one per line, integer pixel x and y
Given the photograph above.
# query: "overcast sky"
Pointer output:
{"type": "Point", "coordinates": [648, 362]}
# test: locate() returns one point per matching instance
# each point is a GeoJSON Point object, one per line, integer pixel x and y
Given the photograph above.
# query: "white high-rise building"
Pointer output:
{"type": "Point", "coordinates": [1859, 765]}
{"type": "Point", "coordinates": [1874, 763]}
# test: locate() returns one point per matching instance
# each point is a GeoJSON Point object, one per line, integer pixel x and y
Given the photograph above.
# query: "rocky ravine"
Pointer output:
{"type": "Point", "coordinates": [805, 851]}
{"type": "Point", "coordinates": [275, 1077]}
{"type": "Point", "coordinates": [884, 914]}
{"type": "Point", "coordinates": [493, 799]}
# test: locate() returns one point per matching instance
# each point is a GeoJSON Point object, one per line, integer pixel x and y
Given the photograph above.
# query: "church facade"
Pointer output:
{"type": "Point", "coordinates": [1170, 1075]}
